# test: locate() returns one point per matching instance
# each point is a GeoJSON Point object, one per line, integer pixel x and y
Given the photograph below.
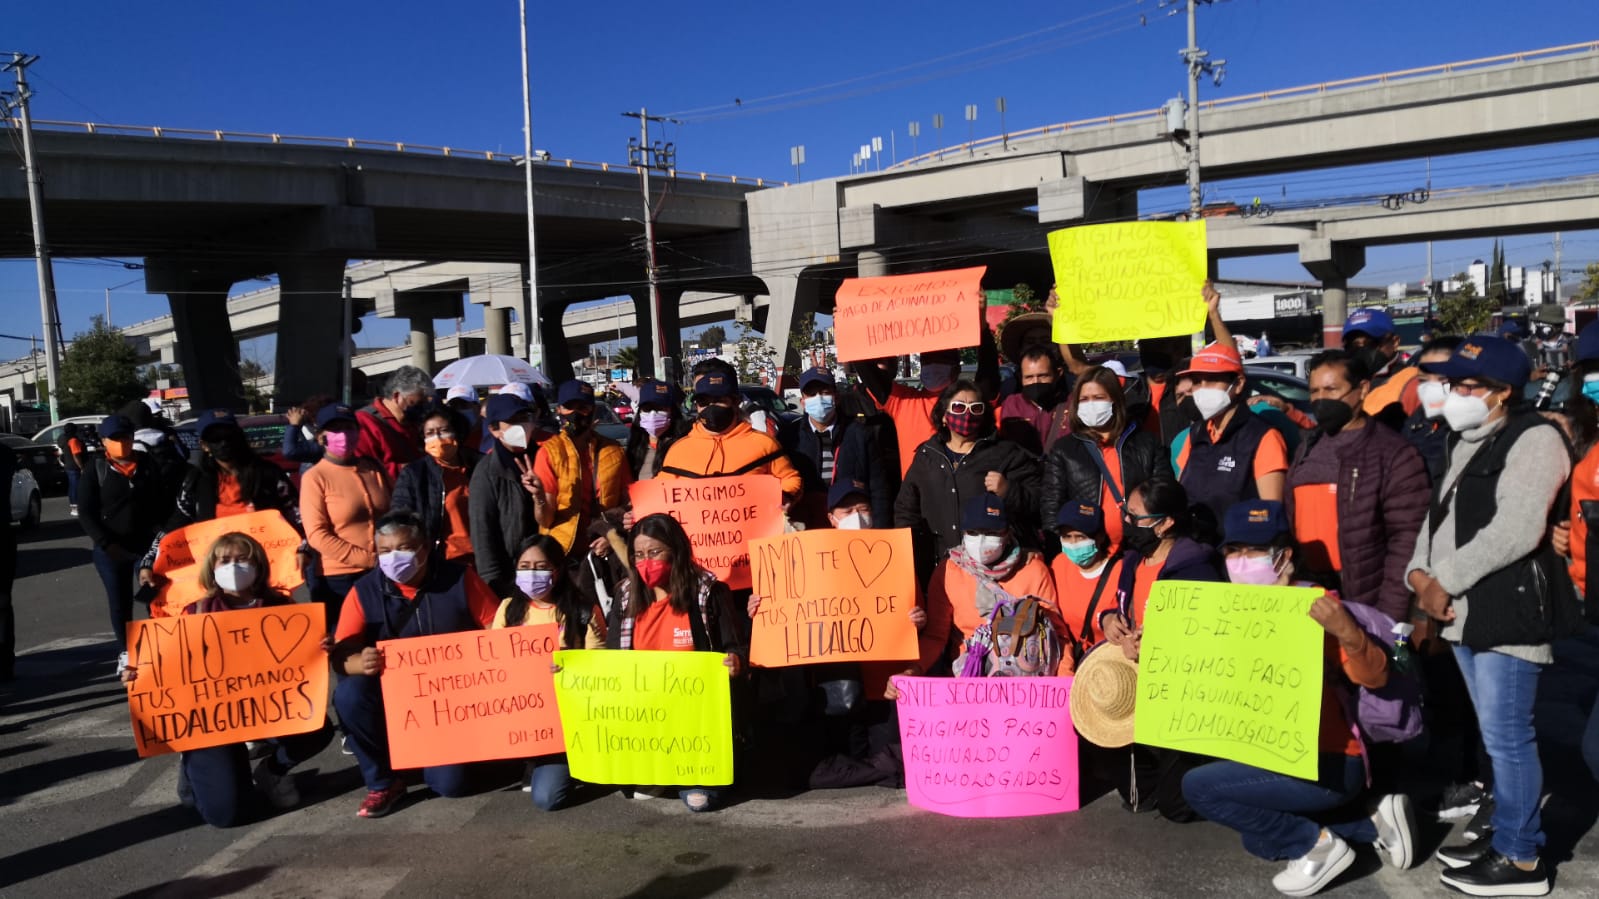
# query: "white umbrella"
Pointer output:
{"type": "Point", "coordinates": [489, 371]}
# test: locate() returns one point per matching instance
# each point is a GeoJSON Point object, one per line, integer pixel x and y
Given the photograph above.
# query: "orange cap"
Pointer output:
{"type": "Point", "coordinates": [1216, 358]}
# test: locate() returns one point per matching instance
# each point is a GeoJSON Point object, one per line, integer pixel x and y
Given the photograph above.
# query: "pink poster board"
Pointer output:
{"type": "Point", "coordinates": [988, 747]}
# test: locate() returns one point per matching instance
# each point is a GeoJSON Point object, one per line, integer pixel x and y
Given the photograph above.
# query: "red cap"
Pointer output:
{"type": "Point", "coordinates": [1216, 358]}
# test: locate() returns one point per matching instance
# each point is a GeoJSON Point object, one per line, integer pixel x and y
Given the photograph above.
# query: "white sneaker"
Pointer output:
{"type": "Point", "coordinates": [279, 789]}
{"type": "Point", "coordinates": [1309, 874]}
{"type": "Point", "coordinates": [1396, 830]}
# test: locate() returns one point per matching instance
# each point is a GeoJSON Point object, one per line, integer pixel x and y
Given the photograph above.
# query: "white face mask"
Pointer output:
{"type": "Point", "coordinates": [985, 549]}
{"type": "Point", "coordinates": [1095, 413]}
{"type": "Point", "coordinates": [1465, 412]}
{"type": "Point", "coordinates": [1210, 401]}
{"type": "Point", "coordinates": [1432, 395]}
{"type": "Point", "coordinates": [234, 577]}
{"type": "Point", "coordinates": [855, 521]}
{"type": "Point", "coordinates": [514, 437]}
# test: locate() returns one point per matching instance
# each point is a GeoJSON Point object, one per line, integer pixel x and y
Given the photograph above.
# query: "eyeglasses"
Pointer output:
{"type": "Point", "coordinates": [1467, 388]}
{"type": "Point", "coordinates": [1132, 518]}
{"type": "Point", "coordinates": [441, 434]}
{"type": "Point", "coordinates": [660, 553]}
{"type": "Point", "coordinates": [959, 408]}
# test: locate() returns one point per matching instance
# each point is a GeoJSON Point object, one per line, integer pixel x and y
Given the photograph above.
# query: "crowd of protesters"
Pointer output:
{"type": "Point", "coordinates": [1447, 520]}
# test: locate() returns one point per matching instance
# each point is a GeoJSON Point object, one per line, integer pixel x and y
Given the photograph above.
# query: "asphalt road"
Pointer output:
{"type": "Point", "coordinates": [82, 815]}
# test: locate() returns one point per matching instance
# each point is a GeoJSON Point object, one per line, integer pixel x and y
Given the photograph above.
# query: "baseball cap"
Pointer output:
{"type": "Point", "coordinates": [214, 417]}
{"type": "Point", "coordinates": [984, 513]}
{"type": "Point", "coordinates": [1216, 358]}
{"type": "Point", "coordinates": [504, 407]}
{"type": "Point", "coordinates": [1155, 362]}
{"type": "Point", "coordinates": [1373, 323]}
{"type": "Point", "coordinates": [658, 392]}
{"type": "Point", "coordinates": [518, 389]}
{"type": "Point", "coordinates": [333, 412]}
{"type": "Point", "coordinates": [1254, 523]}
{"type": "Point", "coordinates": [816, 375]}
{"type": "Point", "coordinates": [1084, 517]}
{"type": "Point", "coordinates": [575, 391]}
{"type": "Point", "coordinates": [461, 392]}
{"type": "Point", "coordinates": [112, 425]}
{"type": "Point", "coordinates": [1588, 343]}
{"type": "Point", "coordinates": [842, 490]}
{"type": "Point", "coordinates": [715, 384]}
{"type": "Point", "coordinates": [1486, 356]}
{"type": "Point", "coordinates": [1510, 329]}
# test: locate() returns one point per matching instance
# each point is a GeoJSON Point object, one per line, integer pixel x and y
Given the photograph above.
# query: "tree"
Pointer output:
{"type": "Point", "coordinates": [1497, 292]}
{"type": "Point", "coordinates": [99, 372]}
{"type": "Point", "coordinates": [626, 357]}
{"type": "Point", "coordinates": [752, 358]}
{"type": "Point", "coordinates": [809, 345]}
{"type": "Point", "coordinates": [1023, 301]}
{"type": "Point", "coordinates": [712, 338]}
{"type": "Point", "coordinates": [1589, 290]}
{"type": "Point", "coordinates": [1464, 312]}
{"type": "Point", "coordinates": [249, 370]}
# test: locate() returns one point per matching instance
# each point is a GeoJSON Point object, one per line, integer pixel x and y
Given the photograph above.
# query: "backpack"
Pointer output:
{"type": "Point", "coordinates": [1017, 641]}
{"type": "Point", "coordinates": [1391, 714]}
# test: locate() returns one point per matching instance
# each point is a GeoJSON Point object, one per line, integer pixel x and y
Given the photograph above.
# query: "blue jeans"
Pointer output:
{"type": "Point", "coordinates": [359, 701]}
{"type": "Point", "coordinates": [1502, 690]}
{"type": "Point", "coordinates": [72, 487]}
{"type": "Point", "coordinates": [1270, 810]}
{"type": "Point", "coordinates": [219, 776]}
{"type": "Point", "coordinates": [330, 590]}
{"type": "Point", "coordinates": [118, 580]}
{"type": "Point", "coordinates": [552, 782]}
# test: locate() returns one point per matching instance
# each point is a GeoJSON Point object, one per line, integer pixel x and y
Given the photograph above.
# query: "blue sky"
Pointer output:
{"type": "Point", "coordinates": [449, 74]}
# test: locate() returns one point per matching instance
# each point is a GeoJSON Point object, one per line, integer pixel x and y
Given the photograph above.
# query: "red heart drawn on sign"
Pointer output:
{"type": "Point", "coordinates": [282, 634]}
{"type": "Point", "coordinates": [870, 560]}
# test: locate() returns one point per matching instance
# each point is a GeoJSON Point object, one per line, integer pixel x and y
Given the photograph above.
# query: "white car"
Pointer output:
{"type": "Point", "coordinates": [1297, 364]}
{"type": "Point", "coordinates": [26, 506]}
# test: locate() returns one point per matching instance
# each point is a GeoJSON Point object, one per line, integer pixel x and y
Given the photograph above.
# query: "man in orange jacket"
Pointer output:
{"type": "Point", "coordinates": [721, 444]}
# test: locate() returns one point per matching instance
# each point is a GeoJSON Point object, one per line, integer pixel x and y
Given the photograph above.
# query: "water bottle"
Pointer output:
{"type": "Point", "coordinates": [1399, 654]}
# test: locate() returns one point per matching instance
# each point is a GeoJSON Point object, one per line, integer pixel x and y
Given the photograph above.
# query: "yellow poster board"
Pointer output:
{"type": "Point", "coordinates": [1128, 280]}
{"type": "Point", "coordinates": [1234, 672]}
{"type": "Point", "coordinates": [646, 718]}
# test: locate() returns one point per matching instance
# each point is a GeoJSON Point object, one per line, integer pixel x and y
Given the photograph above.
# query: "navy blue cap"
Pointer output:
{"type": "Point", "coordinates": [1510, 329]}
{"type": "Point", "coordinates": [214, 417]}
{"type": "Point", "coordinates": [574, 391]}
{"type": "Point", "coordinates": [503, 407]}
{"type": "Point", "coordinates": [1588, 343]}
{"type": "Point", "coordinates": [816, 375]}
{"type": "Point", "coordinates": [1076, 516]}
{"type": "Point", "coordinates": [112, 425]}
{"type": "Point", "coordinates": [842, 490]}
{"type": "Point", "coordinates": [1485, 356]}
{"type": "Point", "coordinates": [1256, 522]}
{"type": "Point", "coordinates": [1374, 323]}
{"type": "Point", "coordinates": [658, 392]}
{"type": "Point", "coordinates": [984, 513]}
{"type": "Point", "coordinates": [333, 412]}
{"type": "Point", "coordinates": [715, 384]}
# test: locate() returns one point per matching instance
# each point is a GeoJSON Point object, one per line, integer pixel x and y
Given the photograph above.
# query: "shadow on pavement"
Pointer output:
{"type": "Point", "coordinates": [91, 845]}
{"type": "Point", "coordinates": [687, 886]}
{"type": "Point", "coordinates": [197, 887]}
{"type": "Point", "coordinates": [34, 558]}
{"type": "Point", "coordinates": [19, 782]}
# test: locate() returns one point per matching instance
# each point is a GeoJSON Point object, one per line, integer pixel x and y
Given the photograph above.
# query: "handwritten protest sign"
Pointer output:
{"type": "Point", "coordinates": [1128, 280]}
{"type": "Point", "coordinates": [988, 747]}
{"type": "Point", "coordinates": [833, 596]}
{"type": "Point", "coordinates": [648, 718]}
{"type": "Point", "coordinates": [227, 677]}
{"type": "Point", "coordinates": [471, 696]}
{"type": "Point", "coordinates": [182, 551]}
{"type": "Point", "coordinates": [900, 314]}
{"type": "Point", "coordinates": [721, 516]}
{"type": "Point", "coordinates": [1234, 672]}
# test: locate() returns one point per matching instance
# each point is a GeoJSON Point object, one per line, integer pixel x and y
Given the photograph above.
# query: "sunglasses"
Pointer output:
{"type": "Point", "coordinates": [960, 408]}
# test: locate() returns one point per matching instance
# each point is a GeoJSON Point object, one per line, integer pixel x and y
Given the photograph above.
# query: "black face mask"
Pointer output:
{"type": "Point", "coordinates": [1041, 395]}
{"type": "Point", "coordinates": [1373, 358]}
{"type": "Point", "coordinates": [717, 418]}
{"type": "Point", "coordinates": [416, 414]}
{"type": "Point", "coordinates": [228, 449]}
{"type": "Point", "coordinates": [1332, 416]}
{"type": "Point", "coordinates": [1141, 539]}
{"type": "Point", "coordinates": [1189, 410]}
{"type": "Point", "coordinates": [577, 422]}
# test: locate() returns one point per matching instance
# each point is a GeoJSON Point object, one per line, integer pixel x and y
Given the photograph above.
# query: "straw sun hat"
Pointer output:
{"type": "Point", "coordinates": [1104, 690]}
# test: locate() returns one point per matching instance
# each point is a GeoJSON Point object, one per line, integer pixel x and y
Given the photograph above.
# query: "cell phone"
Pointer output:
{"type": "Point", "coordinates": [145, 594]}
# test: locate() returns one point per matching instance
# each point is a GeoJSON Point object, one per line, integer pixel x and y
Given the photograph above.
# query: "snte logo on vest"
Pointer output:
{"type": "Point", "coordinates": [1226, 464]}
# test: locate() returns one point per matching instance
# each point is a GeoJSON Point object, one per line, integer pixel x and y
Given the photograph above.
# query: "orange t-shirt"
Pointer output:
{"type": "Point", "coordinates": [481, 603]}
{"type": "Point", "coordinates": [1074, 592]}
{"type": "Point", "coordinates": [1108, 507]}
{"type": "Point", "coordinates": [1157, 391]}
{"type": "Point", "coordinates": [1270, 456]}
{"type": "Point", "coordinates": [1584, 486]}
{"type": "Point", "coordinates": [662, 627]}
{"type": "Point", "coordinates": [1316, 526]}
{"type": "Point", "coordinates": [230, 497]}
{"type": "Point", "coordinates": [912, 411]}
{"type": "Point", "coordinates": [1143, 580]}
{"type": "Point", "coordinates": [457, 537]}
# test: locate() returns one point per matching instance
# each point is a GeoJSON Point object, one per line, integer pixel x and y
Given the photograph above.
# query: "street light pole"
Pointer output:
{"type": "Point", "coordinates": [41, 248]}
{"type": "Point", "coordinates": [645, 159]}
{"type": "Point", "coordinates": [531, 332]}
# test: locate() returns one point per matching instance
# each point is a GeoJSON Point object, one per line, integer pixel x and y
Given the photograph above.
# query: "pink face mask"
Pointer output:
{"type": "Point", "coordinates": [338, 443]}
{"type": "Point", "coordinates": [1259, 571]}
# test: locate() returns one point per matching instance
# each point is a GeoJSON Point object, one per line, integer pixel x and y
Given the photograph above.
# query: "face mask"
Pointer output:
{"type": "Point", "coordinates": [937, 375]}
{"type": "Point", "coordinates": [1188, 410]}
{"type": "Point", "coordinates": [1332, 416]}
{"type": "Point", "coordinates": [1141, 539]}
{"type": "Point", "coordinates": [514, 437]}
{"type": "Point", "coordinates": [855, 521]}
{"type": "Point", "coordinates": [536, 584]}
{"type": "Point", "coordinates": [228, 449]}
{"type": "Point", "coordinates": [983, 549]}
{"type": "Point", "coordinates": [717, 418]}
{"type": "Point", "coordinates": [415, 415]}
{"type": "Point", "coordinates": [337, 442]}
{"type": "Point", "coordinates": [1040, 395]}
{"type": "Point", "coordinates": [441, 447]}
{"type": "Point", "coordinates": [965, 424]}
{"type": "Point", "coordinates": [1432, 395]}
{"type": "Point", "coordinates": [1080, 553]}
{"type": "Point", "coordinates": [1210, 401]}
{"type": "Point", "coordinates": [1590, 387]}
{"type": "Point", "coordinates": [576, 422]}
{"type": "Point", "coordinates": [117, 449]}
{"type": "Point", "coordinates": [1373, 358]}
{"type": "Point", "coordinates": [234, 577]}
{"type": "Point", "coordinates": [1095, 413]}
{"type": "Point", "coordinates": [652, 572]}
{"type": "Point", "coordinates": [399, 566]}
{"type": "Point", "coordinates": [654, 423]}
{"type": "Point", "coordinates": [820, 407]}
{"type": "Point", "coordinates": [1463, 412]}
{"type": "Point", "coordinates": [1260, 571]}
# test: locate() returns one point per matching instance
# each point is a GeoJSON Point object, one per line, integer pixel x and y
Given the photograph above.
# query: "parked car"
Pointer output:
{"type": "Point", "coordinates": [1296, 391]}
{"type": "Point", "coordinates": [263, 432]}
{"type": "Point", "coordinates": [1297, 365]}
{"type": "Point", "coordinates": [764, 399]}
{"type": "Point", "coordinates": [624, 411]}
{"type": "Point", "coordinates": [608, 424]}
{"type": "Point", "coordinates": [26, 506]}
{"type": "Point", "coordinates": [88, 432]}
{"type": "Point", "coordinates": [42, 460]}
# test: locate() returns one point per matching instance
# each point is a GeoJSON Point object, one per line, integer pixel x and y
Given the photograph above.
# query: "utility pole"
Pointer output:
{"type": "Point", "coordinates": [531, 330]}
{"type": "Point", "coordinates": [1558, 300]}
{"type": "Point", "coordinates": [938, 127]}
{"type": "Point", "coordinates": [348, 317]}
{"type": "Point", "coordinates": [645, 156]}
{"type": "Point", "coordinates": [1199, 63]}
{"type": "Point", "coordinates": [41, 248]}
{"type": "Point", "coordinates": [1004, 136]}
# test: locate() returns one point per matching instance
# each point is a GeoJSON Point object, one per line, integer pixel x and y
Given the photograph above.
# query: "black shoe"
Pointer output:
{"type": "Point", "coordinates": [1495, 875]}
{"type": "Point", "coordinates": [1466, 853]}
{"type": "Point", "coordinates": [1481, 823]}
{"type": "Point", "coordinates": [1460, 800]}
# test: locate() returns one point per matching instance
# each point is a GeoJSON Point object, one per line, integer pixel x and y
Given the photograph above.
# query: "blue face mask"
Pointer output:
{"type": "Point", "coordinates": [1081, 553]}
{"type": "Point", "coordinates": [1590, 389]}
{"type": "Point", "coordinates": [820, 406]}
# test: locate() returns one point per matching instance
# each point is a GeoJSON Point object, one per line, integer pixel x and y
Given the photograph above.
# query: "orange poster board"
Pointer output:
{"type": "Point", "coordinates": [721, 516]}
{"type": "Point", "coordinates": [183, 549]}
{"type": "Point", "coordinates": [471, 696]}
{"type": "Point", "coordinates": [834, 596]}
{"type": "Point", "coordinates": [227, 677]}
{"type": "Point", "coordinates": [901, 314]}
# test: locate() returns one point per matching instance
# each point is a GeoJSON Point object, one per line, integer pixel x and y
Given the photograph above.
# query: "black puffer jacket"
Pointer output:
{"type": "Point", "coordinates": [420, 489]}
{"type": "Point", "coordinates": [1071, 474]}
{"type": "Point", "coordinates": [935, 490]}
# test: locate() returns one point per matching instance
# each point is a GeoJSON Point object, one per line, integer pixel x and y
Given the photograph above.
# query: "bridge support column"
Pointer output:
{"type": "Point", "coordinates": [557, 352]}
{"type": "Point", "coordinates": [205, 347]}
{"type": "Point", "coordinates": [791, 297]}
{"type": "Point", "coordinates": [310, 327]}
{"type": "Point", "coordinates": [422, 343]}
{"type": "Point", "coordinates": [671, 298]}
{"type": "Point", "coordinates": [1334, 264]}
{"type": "Point", "coordinates": [497, 331]}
